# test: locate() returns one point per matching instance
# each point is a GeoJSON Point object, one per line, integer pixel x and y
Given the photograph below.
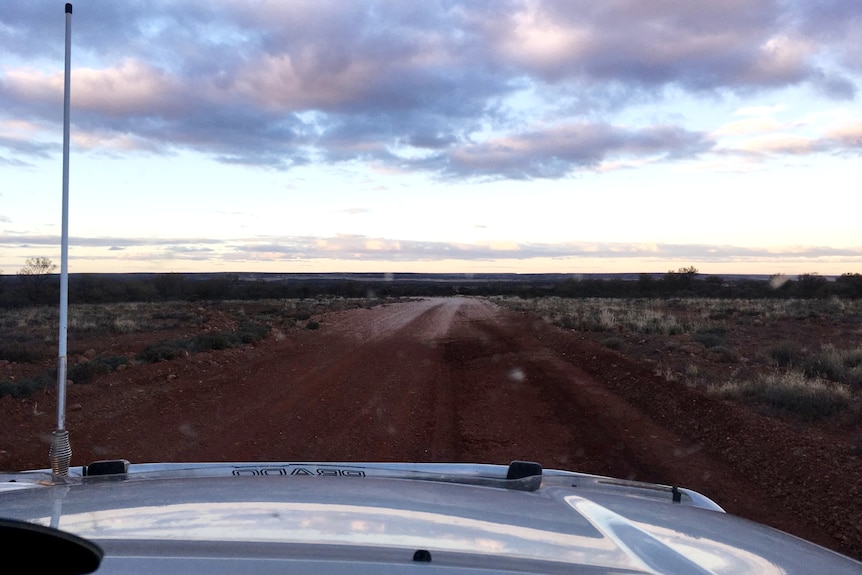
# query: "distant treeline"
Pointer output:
{"type": "Point", "coordinates": [23, 290]}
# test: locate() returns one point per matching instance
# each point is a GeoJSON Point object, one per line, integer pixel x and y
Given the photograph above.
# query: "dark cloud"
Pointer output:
{"type": "Point", "coordinates": [695, 44]}
{"type": "Point", "coordinates": [430, 141]}
{"type": "Point", "coordinates": [835, 87]}
{"type": "Point", "coordinates": [238, 81]}
{"type": "Point", "coordinates": [13, 162]}
{"type": "Point", "coordinates": [556, 152]}
{"type": "Point", "coordinates": [28, 148]}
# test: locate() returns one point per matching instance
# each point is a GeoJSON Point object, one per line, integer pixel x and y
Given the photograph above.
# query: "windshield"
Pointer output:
{"type": "Point", "coordinates": [618, 238]}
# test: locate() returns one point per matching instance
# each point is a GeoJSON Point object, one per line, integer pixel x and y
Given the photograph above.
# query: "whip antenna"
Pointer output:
{"type": "Point", "coordinates": [61, 451]}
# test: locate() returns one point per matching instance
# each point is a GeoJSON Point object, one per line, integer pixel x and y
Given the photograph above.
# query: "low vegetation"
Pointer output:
{"type": "Point", "coordinates": [844, 365]}
{"type": "Point", "coordinates": [792, 356]}
{"type": "Point", "coordinates": [789, 391]}
{"type": "Point", "coordinates": [37, 284]}
{"type": "Point", "coordinates": [28, 335]}
{"type": "Point", "coordinates": [698, 330]}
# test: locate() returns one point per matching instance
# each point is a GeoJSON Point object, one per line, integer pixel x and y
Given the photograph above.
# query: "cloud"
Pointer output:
{"type": "Point", "coordinates": [778, 144]}
{"type": "Point", "coordinates": [696, 44]}
{"type": "Point", "coordinates": [30, 148]}
{"type": "Point", "coordinates": [749, 126]}
{"type": "Point", "coordinates": [13, 162]}
{"type": "Point", "coordinates": [765, 137]}
{"type": "Point", "coordinates": [421, 85]}
{"type": "Point", "coordinates": [556, 152]}
{"type": "Point", "coordinates": [373, 251]}
{"type": "Point", "coordinates": [98, 242]}
{"type": "Point", "coordinates": [848, 135]}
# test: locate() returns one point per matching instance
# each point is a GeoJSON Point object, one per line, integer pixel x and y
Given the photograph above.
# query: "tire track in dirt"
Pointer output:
{"type": "Point", "coordinates": [368, 394]}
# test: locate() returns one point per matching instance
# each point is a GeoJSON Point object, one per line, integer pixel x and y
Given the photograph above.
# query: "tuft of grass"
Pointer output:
{"type": "Point", "coordinates": [250, 331]}
{"type": "Point", "coordinates": [707, 339]}
{"type": "Point", "coordinates": [791, 392]}
{"type": "Point", "coordinates": [612, 343]}
{"type": "Point", "coordinates": [842, 365]}
{"type": "Point", "coordinates": [213, 341]}
{"type": "Point", "coordinates": [163, 351]}
{"type": "Point", "coordinates": [723, 354]}
{"type": "Point", "coordinates": [114, 361]}
{"type": "Point", "coordinates": [86, 371]}
{"type": "Point", "coordinates": [786, 354]}
{"type": "Point", "coordinates": [125, 325]}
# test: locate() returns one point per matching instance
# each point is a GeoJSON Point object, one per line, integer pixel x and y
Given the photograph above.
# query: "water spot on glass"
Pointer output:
{"type": "Point", "coordinates": [517, 374]}
{"type": "Point", "coordinates": [189, 431]}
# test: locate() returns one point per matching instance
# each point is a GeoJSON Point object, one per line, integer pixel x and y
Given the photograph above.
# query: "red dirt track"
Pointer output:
{"type": "Point", "coordinates": [454, 380]}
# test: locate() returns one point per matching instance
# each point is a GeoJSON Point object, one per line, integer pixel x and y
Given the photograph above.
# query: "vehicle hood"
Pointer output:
{"type": "Point", "coordinates": [463, 516]}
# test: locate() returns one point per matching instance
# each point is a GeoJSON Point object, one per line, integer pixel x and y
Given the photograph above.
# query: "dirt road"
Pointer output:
{"type": "Point", "coordinates": [454, 380]}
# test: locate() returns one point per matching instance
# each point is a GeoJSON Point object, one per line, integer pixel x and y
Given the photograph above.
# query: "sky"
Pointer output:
{"type": "Point", "coordinates": [522, 136]}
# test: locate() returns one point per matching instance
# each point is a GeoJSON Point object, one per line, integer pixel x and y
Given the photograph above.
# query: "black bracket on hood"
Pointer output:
{"type": "Point", "coordinates": [522, 469]}
{"type": "Point", "coordinates": [107, 467]}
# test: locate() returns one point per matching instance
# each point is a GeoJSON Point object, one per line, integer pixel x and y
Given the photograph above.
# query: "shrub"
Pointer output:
{"type": "Point", "coordinates": [114, 361]}
{"type": "Point", "coordinates": [843, 365]}
{"type": "Point", "coordinates": [213, 341]}
{"type": "Point", "coordinates": [166, 350]}
{"type": "Point", "coordinates": [312, 325]}
{"type": "Point", "coordinates": [84, 372]}
{"type": "Point", "coordinates": [723, 354]}
{"type": "Point", "coordinates": [707, 339]}
{"type": "Point", "coordinates": [163, 350]}
{"type": "Point", "coordinates": [790, 391]}
{"type": "Point", "coordinates": [250, 331]}
{"type": "Point", "coordinates": [26, 387]}
{"type": "Point", "coordinates": [19, 352]}
{"type": "Point", "coordinates": [786, 354]}
{"type": "Point", "coordinates": [612, 343]}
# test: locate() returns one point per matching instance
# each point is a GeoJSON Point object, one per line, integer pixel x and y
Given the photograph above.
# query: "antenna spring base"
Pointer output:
{"type": "Point", "coordinates": [60, 453]}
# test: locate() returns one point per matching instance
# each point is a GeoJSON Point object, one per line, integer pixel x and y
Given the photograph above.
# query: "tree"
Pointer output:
{"type": "Point", "coordinates": [37, 266]}
{"type": "Point", "coordinates": [170, 286]}
{"type": "Point", "coordinates": [682, 280]}
{"type": "Point", "coordinates": [812, 286]}
{"type": "Point", "coordinates": [849, 285]}
{"type": "Point", "coordinates": [34, 274]}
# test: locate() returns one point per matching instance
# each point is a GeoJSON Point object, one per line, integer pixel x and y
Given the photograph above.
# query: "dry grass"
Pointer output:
{"type": "Point", "coordinates": [600, 314]}
{"type": "Point", "coordinates": [674, 316]}
{"type": "Point", "coordinates": [789, 391]}
{"type": "Point", "coordinates": [844, 365]}
{"type": "Point", "coordinates": [723, 346]}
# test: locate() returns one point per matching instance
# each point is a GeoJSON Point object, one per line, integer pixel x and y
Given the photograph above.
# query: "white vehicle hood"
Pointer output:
{"type": "Point", "coordinates": [462, 517]}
